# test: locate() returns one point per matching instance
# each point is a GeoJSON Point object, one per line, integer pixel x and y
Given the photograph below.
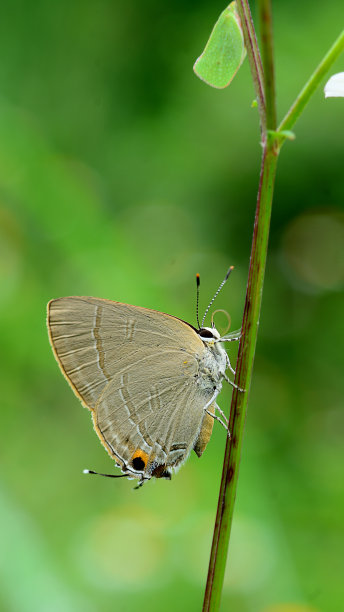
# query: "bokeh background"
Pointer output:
{"type": "Point", "coordinates": [121, 176]}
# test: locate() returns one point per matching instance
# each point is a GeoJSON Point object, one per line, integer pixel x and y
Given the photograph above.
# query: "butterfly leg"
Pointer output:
{"type": "Point", "coordinates": [217, 418]}
{"type": "Point", "coordinates": [221, 413]}
{"type": "Point", "coordinates": [233, 384]}
{"type": "Point", "coordinates": [234, 337]}
{"type": "Point", "coordinates": [230, 365]}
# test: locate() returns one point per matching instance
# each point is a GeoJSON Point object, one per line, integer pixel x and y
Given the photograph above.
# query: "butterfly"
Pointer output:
{"type": "Point", "coordinates": [149, 379]}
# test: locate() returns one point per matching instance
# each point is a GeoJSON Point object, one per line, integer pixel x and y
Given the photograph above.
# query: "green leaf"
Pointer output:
{"type": "Point", "coordinates": [224, 52]}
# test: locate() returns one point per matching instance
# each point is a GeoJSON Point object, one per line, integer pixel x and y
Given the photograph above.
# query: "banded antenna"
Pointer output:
{"type": "Point", "coordinates": [216, 294]}
{"type": "Point", "coordinates": [197, 299]}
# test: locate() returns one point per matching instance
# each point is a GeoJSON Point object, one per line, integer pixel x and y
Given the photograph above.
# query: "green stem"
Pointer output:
{"type": "Point", "coordinates": [247, 347]}
{"type": "Point", "coordinates": [265, 91]}
{"type": "Point", "coordinates": [265, 16]}
{"type": "Point", "coordinates": [223, 523]}
{"type": "Point", "coordinates": [307, 91]}
{"type": "Point", "coordinates": [254, 58]}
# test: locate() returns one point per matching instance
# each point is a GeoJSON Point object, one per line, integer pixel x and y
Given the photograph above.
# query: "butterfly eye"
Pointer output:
{"type": "Point", "coordinates": [206, 333]}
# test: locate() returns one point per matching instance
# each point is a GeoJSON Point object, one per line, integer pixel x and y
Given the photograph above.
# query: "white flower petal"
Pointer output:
{"type": "Point", "coordinates": [334, 87]}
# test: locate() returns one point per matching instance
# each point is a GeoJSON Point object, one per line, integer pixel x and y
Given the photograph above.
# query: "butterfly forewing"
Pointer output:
{"type": "Point", "coordinates": [91, 337]}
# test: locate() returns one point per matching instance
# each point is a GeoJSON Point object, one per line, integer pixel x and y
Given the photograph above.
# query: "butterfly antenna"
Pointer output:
{"type": "Point", "coordinates": [217, 293]}
{"type": "Point", "coordinates": [197, 298]}
{"type": "Point", "coordinates": [107, 475]}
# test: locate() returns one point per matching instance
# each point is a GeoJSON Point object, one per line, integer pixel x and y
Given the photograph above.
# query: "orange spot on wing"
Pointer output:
{"type": "Point", "coordinates": [139, 459]}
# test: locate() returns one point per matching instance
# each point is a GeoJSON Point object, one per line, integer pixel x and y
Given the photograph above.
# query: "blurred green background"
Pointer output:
{"type": "Point", "coordinates": [122, 175]}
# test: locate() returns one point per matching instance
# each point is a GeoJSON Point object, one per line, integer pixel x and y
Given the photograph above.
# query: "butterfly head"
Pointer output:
{"type": "Point", "coordinates": [209, 334]}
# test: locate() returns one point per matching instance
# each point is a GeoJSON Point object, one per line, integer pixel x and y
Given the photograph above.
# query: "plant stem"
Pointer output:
{"type": "Point", "coordinates": [265, 19]}
{"type": "Point", "coordinates": [225, 509]}
{"type": "Point", "coordinates": [254, 58]}
{"type": "Point", "coordinates": [313, 82]}
{"type": "Point", "coordinates": [247, 347]}
{"type": "Point", "coordinates": [265, 92]}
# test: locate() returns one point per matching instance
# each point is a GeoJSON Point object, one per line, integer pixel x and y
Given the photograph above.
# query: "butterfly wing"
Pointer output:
{"type": "Point", "coordinates": [151, 413]}
{"type": "Point", "coordinates": [138, 371]}
{"type": "Point", "coordinates": [90, 337]}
